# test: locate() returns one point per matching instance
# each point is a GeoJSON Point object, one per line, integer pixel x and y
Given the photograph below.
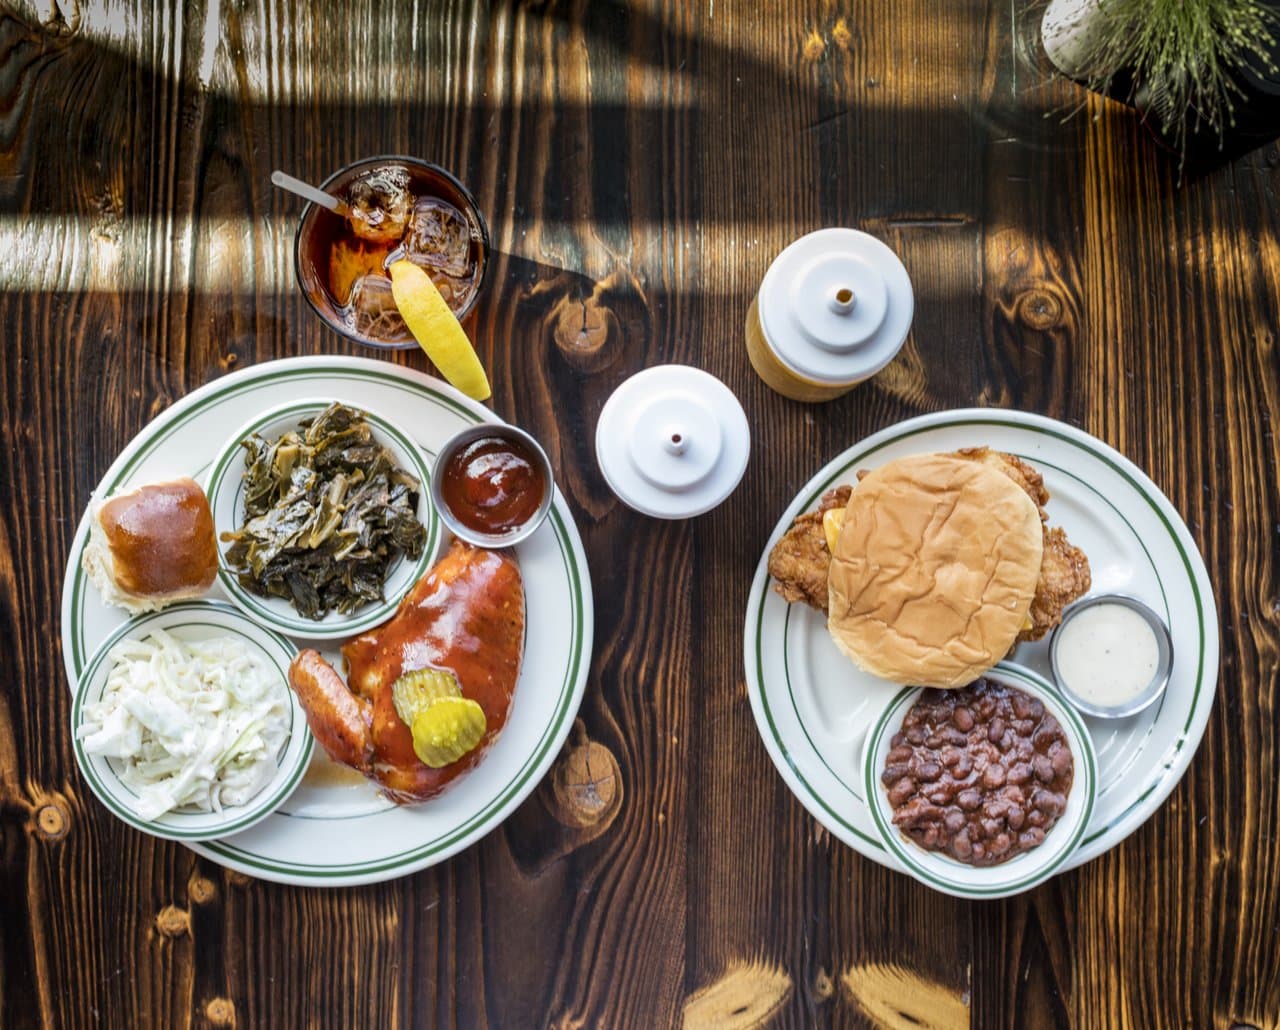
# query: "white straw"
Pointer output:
{"type": "Point", "coordinates": [306, 191]}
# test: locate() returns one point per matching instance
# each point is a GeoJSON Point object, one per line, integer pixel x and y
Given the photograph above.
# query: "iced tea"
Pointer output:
{"type": "Point", "coordinates": [397, 207]}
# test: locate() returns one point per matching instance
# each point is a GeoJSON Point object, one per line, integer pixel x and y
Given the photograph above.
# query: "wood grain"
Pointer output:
{"type": "Point", "coordinates": [640, 164]}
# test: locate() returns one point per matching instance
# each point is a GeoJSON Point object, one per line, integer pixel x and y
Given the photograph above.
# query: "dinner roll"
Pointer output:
{"type": "Point", "coordinates": [152, 546]}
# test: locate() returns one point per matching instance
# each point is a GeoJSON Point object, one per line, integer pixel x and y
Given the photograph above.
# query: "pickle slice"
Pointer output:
{"type": "Point", "coordinates": [446, 730]}
{"type": "Point", "coordinates": [415, 691]}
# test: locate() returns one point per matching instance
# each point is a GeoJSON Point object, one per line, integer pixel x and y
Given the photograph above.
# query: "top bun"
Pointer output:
{"type": "Point", "coordinates": [152, 546]}
{"type": "Point", "coordinates": [934, 570]}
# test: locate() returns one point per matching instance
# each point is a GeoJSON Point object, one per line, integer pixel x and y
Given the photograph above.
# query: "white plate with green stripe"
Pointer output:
{"type": "Point", "coordinates": [335, 829]}
{"type": "Point", "coordinates": [813, 707]}
{"type": "Point", "coordinates": [1020, 873]}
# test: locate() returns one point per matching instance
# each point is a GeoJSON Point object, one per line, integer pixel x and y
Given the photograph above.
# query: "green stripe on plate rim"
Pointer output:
{"type": "Point", "coordinates": [482, 820]}
{"type": "Point", "coordinates": [902, 850]}
{"type": "Point", "coordinates": [1005, 424]}
{"type": "Point", "coordinates": [299, 625]}
{"type": "Point", "coordinates": [133, 629]}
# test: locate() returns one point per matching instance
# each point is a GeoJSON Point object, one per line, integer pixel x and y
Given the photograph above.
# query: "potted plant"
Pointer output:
{"type": "Point", "coordinates": [1189, 66]}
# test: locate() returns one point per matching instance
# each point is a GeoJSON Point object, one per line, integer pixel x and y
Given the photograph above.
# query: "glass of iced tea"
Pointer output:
{"type": "Point", "coordinates": [398, 207]}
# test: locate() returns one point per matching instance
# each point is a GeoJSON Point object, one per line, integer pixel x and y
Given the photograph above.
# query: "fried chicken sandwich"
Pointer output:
{"type": "Point", "coordinates": [934, 566]}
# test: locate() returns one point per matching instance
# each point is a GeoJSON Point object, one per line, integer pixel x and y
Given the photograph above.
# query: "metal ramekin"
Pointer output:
{"type": "Point", "coordinates": [1164, 660]}
{"type": "Point", "coordinates": [504, 432]}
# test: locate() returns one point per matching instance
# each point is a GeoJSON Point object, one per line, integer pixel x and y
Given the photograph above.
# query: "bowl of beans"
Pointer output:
{"type": "Point", "coordinates": [984, 791]}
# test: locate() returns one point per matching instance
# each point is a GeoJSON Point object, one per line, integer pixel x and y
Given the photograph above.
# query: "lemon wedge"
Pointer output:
{"type": "Point", "coordinates": [437, 329]}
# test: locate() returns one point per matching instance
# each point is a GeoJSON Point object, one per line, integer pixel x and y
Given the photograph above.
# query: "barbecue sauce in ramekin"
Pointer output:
{"type": "Point", "coordinates": [493, 485]}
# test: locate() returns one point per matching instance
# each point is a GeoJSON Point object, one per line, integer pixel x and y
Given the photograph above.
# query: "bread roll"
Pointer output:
{"type": "Point", "coordinates": [934, 570]}
{"type": "Point", "coordinates": [152, 546]}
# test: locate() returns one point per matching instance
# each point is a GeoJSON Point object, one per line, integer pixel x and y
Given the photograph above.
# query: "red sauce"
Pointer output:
{"type": "Point", "coordinates": [493, 485]}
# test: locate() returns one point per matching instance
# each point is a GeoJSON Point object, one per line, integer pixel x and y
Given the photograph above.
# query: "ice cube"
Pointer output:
{"type": "Point", "coordinates": [439, 238]}
{"type": "Point", "coordinates": [456, 292]}
{"type": "Point", "coordinates": [372, 310]}
{"type": "Point", "coordinates": [381, 204]}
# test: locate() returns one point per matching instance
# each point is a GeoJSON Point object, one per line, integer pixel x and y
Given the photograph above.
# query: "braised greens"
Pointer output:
{"type": "Point", "coordinates": [326, 513]}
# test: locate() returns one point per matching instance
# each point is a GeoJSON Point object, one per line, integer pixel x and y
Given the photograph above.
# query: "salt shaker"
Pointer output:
{"type": "Point", "coordinates": [673, 442]}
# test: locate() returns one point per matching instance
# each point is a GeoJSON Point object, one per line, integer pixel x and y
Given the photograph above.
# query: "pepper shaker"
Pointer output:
{"type": "Point", "coordinates": [833, 309]}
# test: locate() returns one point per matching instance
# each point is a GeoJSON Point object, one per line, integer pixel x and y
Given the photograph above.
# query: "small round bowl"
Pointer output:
{"type": "Point", "coordinates": [468, 436]}
{"type": "Point", "coordinates": [1164, 659]}
{"type": "Point", "coordinates": [225, 488]}
{"type": "Point", "coordinates": [1022, 872]}
{"type": "Point", "coordinates": [194, 620]}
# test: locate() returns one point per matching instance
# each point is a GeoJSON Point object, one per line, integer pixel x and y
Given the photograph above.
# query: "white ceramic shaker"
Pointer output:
{"type": "Point", "coordinates": [833, 309]}
{"type": "Point", "coordinates": [673, 441]}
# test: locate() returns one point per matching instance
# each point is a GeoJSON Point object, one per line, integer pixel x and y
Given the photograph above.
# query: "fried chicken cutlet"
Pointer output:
{"type": "Point", "coordinates": [1064, 577]}
{"type": "Point", "coordinates": [800, 560]}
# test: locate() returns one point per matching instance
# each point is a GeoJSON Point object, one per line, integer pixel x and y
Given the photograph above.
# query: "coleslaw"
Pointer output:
{"type": "Point", "coordinates": [197, 723]}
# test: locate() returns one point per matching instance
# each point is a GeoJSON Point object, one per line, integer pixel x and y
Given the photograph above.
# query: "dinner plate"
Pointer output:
{"type": "Point", "coordinates": [813, 707]}
{"type": "Point", "coordinates": [335, 829]}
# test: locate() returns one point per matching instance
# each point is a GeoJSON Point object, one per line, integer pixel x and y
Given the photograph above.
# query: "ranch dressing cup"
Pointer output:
{"type": "Point", "coordinates": [833, 309]}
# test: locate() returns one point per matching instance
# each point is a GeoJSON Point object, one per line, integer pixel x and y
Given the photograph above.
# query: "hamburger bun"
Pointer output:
{"type": "Point", "coordinates": [934, 570]}
{"type": "Point", "coordinates": [152, 546]}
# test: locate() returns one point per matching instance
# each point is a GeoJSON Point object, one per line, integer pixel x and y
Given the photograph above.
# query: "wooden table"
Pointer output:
{"type": "Point", "coordinates": [639, 165]}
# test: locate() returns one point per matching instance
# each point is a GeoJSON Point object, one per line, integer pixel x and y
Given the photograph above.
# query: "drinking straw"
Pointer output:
{"type": "Point", "coordinates": [308, 192]}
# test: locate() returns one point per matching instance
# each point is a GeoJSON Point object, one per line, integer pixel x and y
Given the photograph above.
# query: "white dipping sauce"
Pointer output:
{"type": "Point", "coordinates": [1107, 654]}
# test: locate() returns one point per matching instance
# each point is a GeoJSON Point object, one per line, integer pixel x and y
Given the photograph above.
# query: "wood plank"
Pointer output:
{"type": "Point", "coordinates": [640, 164]}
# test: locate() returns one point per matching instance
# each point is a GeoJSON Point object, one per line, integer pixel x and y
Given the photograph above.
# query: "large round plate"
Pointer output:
{"type": "Point", "coordinates": [335, 829]}
{"type": "Point", "coordinates": [813, 707]}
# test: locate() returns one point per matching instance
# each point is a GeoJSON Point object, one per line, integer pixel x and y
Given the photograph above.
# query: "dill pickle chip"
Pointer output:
{"type": "Point", "coordinates": [415, 691]}
{"type": "Point", "coordinates": [447, 729]}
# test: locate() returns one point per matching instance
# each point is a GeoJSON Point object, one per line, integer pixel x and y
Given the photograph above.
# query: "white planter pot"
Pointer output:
{"type": "Point", "coordinates": [1069, 31]}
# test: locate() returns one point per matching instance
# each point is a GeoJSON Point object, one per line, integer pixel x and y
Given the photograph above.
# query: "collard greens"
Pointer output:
{"type": "Point", "coordinates": [326, 513]}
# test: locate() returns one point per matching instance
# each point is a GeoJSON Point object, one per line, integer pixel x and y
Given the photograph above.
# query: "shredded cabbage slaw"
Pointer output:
{"type": "Point", "coordinates": [196, 724]}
